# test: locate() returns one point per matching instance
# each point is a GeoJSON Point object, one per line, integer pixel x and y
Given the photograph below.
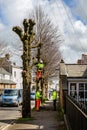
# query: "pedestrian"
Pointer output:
{"type": "Point", "coordinates": [38, 99]}
{"type": "Point", "coordinates": [54, 98]}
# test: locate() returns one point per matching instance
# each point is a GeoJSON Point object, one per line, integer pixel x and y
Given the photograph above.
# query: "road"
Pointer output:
{"type": "Point", "coordinates": [9, 114]}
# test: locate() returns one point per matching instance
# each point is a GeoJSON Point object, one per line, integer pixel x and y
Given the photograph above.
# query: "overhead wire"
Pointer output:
{"type": "Point", "coordinates": [51, 10]}
{"type": "Point", "coordinates": [82, 9]}
{"type": "Point", "coordinates": [60, 14]}
{"type": "Point", "coordinates": [77, 38]}
{"type": "Point", "coordinates": [55, 16]}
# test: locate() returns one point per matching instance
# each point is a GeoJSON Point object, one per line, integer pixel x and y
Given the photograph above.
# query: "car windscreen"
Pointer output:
{"type": "Point", "coordinates": [32, 93]}
{"type": "Point", "coordinates": [10, 92]}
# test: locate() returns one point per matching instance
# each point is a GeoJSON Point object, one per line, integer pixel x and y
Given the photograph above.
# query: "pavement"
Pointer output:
{"type": "Point", "coordinates": [45, 119]}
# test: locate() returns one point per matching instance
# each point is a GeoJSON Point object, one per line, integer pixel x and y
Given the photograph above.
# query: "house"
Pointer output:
{"type": "Point", "coordinates": [83, 59]}
{"type": "Point", "coordinates": [14, 71]}
{"type": "Point", "coordinates": [73, 81]}
{"type": "Point", "coordinates": [6, 80]}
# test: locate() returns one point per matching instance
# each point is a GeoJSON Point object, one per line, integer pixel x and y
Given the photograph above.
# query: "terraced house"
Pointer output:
{"type": "Point", "coordinates": [73, 81]}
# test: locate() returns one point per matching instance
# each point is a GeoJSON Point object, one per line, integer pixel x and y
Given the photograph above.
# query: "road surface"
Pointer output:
{"type": "Point", "coordinates": [9, 114]}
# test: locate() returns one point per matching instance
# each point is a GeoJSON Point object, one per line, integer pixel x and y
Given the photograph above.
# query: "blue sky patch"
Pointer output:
{"type": "Point", "coordinates": [70, 3]}
{"type": "Point", "coordinates": [2, 16]}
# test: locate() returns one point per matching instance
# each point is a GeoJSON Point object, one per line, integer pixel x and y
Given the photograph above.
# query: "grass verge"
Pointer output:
{"type": "Point", "coordinates": [20, 120]}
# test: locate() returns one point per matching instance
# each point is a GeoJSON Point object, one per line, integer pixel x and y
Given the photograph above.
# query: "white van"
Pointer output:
{"type": "Point", "coordinates": [12, 97]}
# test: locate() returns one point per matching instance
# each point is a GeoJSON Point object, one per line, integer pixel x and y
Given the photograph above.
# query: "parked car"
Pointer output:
{"type": "Point", "coordinates": [32, 95]}
{"type": "Point", "coordinates": [12, 97]}
{"type": "Point", "coordinates": [0, 99]}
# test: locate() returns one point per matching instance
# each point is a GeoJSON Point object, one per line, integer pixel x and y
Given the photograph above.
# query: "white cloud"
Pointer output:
{"type": "Point", "coordinates": [80, 27]}
{"type": "Point", "coordinates": [1, 26]}
{"type": "Point", "coordinates": [15, 11]}
{"type": "Point", "coordinates": [81, 9]}
{"type": "Point", "coordinates": [74, 31]}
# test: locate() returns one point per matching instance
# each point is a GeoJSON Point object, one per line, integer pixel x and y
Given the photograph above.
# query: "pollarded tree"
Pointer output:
{"type": "Point", "coordinates": [27, 37]}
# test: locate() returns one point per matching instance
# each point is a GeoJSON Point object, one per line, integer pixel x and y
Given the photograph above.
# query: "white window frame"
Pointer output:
{"type": "Point", "coordinates": [77, 90]}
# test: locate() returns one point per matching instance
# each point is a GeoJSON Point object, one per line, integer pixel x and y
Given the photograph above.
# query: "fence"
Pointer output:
{"type": "Point", "coordinates": [76, 114]}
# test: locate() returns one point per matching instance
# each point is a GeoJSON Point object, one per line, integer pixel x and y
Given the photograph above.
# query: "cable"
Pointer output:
{"type": "Point", "coordinates": [75, 35]}
{"type": "Point", "coordinates": [72, 25]}
{"type": "Point", "coordinates": [60, 14]}
{"type": "Point", "coordinates": [81, 8]}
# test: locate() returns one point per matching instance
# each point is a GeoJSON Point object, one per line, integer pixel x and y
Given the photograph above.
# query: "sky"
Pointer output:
{"type": "Point", "coordinates": [70, 16]}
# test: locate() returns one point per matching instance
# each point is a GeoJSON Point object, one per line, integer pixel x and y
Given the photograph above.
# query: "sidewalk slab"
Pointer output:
{"type": "Point", "coordinates": [45, 119]}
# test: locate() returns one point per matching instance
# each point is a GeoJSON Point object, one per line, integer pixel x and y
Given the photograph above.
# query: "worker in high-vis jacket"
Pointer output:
{"type": "Point", "coordinates": [54, 98]}
{"type": "Point", "coordinates": [38, 99]}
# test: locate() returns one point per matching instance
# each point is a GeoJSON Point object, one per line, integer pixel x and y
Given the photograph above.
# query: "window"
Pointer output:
{"type": "Point", "coordinates": [15, 74]}
{"type": "Point", "coordinates": [73, 89]}
{"type": "Point", "coordinates": [81, 90]}
{"type": "Point", "coordinates": [86, 90]}
{"type": "Point", "coordinates": [86, 94]}
{"type": "Point", "coordinates": [78, 91]}
{"type": "Point", "coordinates": [3, 76]}
{"type": "Point", "coordinates": [86, 86]}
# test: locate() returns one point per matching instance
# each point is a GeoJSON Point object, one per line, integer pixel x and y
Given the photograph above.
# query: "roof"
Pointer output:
{"type": "Point", "coordinates": [3, 71]}
{"type": "Point", "coordinates": [76, 70]}
{"type": "Point", "coordinates": [6, 64]}
{"type": "Point", "coordinates": [73, 70]}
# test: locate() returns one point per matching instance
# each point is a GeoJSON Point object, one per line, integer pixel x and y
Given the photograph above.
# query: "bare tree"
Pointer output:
{"type": "Point", "coordinates": [48, 51]}
{"type": "Point", "coordinates": [50, 39]}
